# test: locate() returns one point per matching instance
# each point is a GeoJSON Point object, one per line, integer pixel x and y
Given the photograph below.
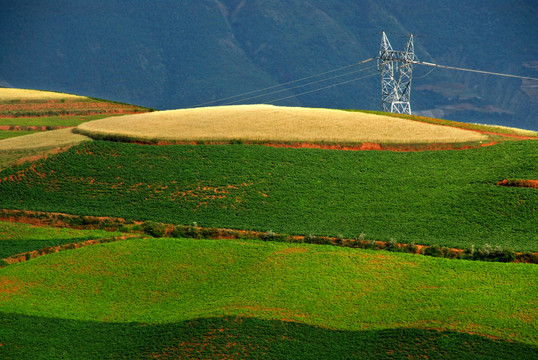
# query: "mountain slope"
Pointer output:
{"type": "Point", "coordinates": [174, 54]}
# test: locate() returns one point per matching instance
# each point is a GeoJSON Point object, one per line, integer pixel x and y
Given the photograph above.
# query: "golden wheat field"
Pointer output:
{"type": "Point", "coordinates": [273, 123]}
{"type": "Point", "coordinates": [9, 94]}
{"type": "Point", "coordinates": [41, 140]}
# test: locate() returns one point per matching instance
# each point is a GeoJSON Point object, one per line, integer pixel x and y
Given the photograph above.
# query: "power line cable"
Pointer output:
{"type": "Point", "coordinates": [283, 84]}
{"type": "Point", "coordinates": [323, 88]}
{"type": "Point", "coordinates": [471, 70]}
{"type": "Point", "coordinates": [299, 86]}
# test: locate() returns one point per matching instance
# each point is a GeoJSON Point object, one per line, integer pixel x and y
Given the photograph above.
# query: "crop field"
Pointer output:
{"type": "Point", "coordinates": [273, 123]}
{"type": "Point", "coordinates": [17, 238]}
{"type": "Point", "coordinates": [32, 110]}
{"type": "Point", "coordinates": [461, 125]}
{"type": "Point", "coordinates": [36, 145]}
{"type": "Point", "coordinates": [48, 121]}
{"type": "Point", "coordinates": [95, 294]}
{"type": "Point", "coordinates": [166, 298]}
{"type": "Point", "coordinates": [18, 95]}
{"type": "Point", "coordinates": [450, 198]}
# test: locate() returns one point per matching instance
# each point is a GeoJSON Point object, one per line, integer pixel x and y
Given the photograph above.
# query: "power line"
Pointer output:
{"type": "Point", "coordinates": [471, 70]}
{"type": "Point", "coordinates": [299, 86]}
{"type": "Point", "coordinates": [283, 84]}
{"type": "Point", "coordinates": [323, 88]}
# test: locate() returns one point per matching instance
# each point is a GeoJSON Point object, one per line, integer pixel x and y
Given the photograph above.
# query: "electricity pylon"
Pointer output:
{"type": "Point", "coordinates": [396, 69]}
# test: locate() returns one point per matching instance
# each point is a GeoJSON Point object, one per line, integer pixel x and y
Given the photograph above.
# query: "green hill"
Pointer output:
{"type": "Point", "coordinates": [213, 299]}
{"type": "Point", "coordinates": [450, 198]}
{"type": "Point", "coordinates": [137, 298]}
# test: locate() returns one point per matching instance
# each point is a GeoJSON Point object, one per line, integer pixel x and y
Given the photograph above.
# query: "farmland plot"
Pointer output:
{"type": "Point", "coordinates": [448, 198]}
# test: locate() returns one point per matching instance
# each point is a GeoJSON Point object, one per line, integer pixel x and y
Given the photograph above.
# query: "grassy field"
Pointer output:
{"type": "Point", "coordinates": [448, 198]}
{"type": "Point", "coordinates": [50, 121]}
{"type": "Point", "coordinates": [176, 296]}
{"type": "Point", "coordinates": [33, 146]}
{"type": "Point", "coordinates": [17, 238]}
{"type": "Point", "coordinates": [184, 298]}
{"type": "Point", "coordinates": [18, 95]}
{"type": "Point", "coordinates": [468, 126]}
{"type": "Point", "coordinates": [35, 110]}
{"type": "Point", "coordinates": [273, 123]}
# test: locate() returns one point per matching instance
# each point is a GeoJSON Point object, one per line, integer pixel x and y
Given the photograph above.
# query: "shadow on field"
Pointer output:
{"type": "Point", "coordinates": [34, 337]}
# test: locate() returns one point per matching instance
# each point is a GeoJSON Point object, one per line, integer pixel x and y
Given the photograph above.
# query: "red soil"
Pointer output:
{"type": "Point", "coordinates": [67, 108]}
{"type": "Point", "coordinates": [31, 127]}
{"type": "Point", "coordinates": [381, 147]}
{"type": "Point", "coordinates": [307, 145]}
{"type": "Point", "coordinates": [519, 183]}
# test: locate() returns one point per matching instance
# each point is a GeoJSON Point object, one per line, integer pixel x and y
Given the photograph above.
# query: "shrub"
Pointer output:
{"type": "Point", "coordinates": [309, 239]}
{"type": "Point", "coordinates": [268, 236]}
{"type": "Point", "coordinates": [339, 239]}
{"type": "Point", "coordinates": [411, 247]}
{"type": "Point", "coordinates": [209, 233]}
{"type": "Point", "coordinates": [123, 228]}
{"type": "Point", "coordinates": [154, 229]}
{"type": "Point", "coordinates": [192, 231]}
{"type": "Point", "coordinates": [528, 257]}
{"type": "Point", "coordinates": [179, 231]}
{"type": "Point", "coordinates": [371, 244]}
{"type": "Point", "coordinates": [392, 245]}
{"type": "Point", "coordinates": [433, 250]}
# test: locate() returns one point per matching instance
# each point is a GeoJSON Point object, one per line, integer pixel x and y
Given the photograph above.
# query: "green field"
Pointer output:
{"type": "Point", "coordinates": [16, 238]}
{"type": "Point", "coordinates": [51, 120]}
{"type": "Point", "coordinates": [171, 297]}
{"type": "Point", "coordinates": [448, 198]}
{"type": "Point", "coordinates": [133, 297]}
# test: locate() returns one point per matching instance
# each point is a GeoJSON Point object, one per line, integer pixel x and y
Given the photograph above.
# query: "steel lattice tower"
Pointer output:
{"type": "Point", "coordinates": [396, 69]}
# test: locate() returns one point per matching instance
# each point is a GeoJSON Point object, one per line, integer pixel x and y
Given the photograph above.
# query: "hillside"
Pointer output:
{"type": "Point", "coordinates": [49, 118]}
{"type": "Point", "coordinates": [450, 198]}
{"type": "Point", "coordinates": [250, 233]}
{"type": "Point", "coordinates": [171, 298]}
{"type": "Point", "coordinates": [267, 123]}
{"type": "Point", "coordinates": [174, 54]}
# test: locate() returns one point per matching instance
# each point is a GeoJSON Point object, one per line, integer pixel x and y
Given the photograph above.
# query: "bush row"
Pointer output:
{"type": "Point", "coordinates": [485, 253]}
{"type": "Point", "coordinates": [158, 230]}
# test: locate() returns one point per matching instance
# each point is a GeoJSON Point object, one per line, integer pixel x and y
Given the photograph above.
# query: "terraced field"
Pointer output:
{"type": "Point", "coordinates": [135, 297]}
{"type": "Point", "coordinates": [24, 112]}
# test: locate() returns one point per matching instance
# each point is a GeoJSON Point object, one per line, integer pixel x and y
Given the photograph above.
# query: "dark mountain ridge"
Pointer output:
{"type": "Point", "coordinates": [173, 54]}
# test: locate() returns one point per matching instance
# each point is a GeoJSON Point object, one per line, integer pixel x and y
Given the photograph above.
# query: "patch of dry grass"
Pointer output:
{"type": "Point", "coordinates": [25, 148]}
{"type": "Point", "coordinates": [45, 139]}
{"type": "Point", "coordinates": [9, 94]}
{"type": "Point", "coordinates": [273, 123]}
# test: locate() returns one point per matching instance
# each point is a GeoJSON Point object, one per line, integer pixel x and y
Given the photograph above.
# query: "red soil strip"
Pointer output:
{"type": "Point", "coordinates": [31, 128]}
{"type": "Point", "coordinates": [308, 145]}
{"type": "Point", "coordinates": [518, 137]}
{"type": "Point", "coordinates": [381, 147]}
{"type": "Point", "coordinates": [519, 183]}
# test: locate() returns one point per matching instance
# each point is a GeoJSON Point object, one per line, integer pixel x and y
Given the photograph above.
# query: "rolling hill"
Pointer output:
{"type": "Point", "coordinates": [97, 293]}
